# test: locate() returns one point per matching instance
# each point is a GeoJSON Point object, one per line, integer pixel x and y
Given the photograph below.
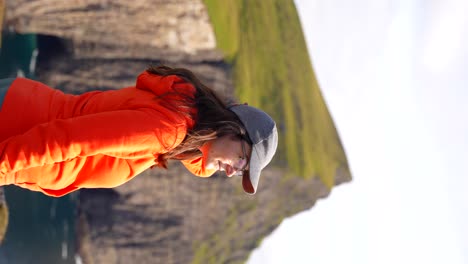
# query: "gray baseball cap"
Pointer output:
{"type": "Point", "coordinates": [262, 131]}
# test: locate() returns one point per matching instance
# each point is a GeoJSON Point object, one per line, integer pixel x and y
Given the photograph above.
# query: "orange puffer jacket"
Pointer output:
{"type": "Point", "coordinates": [56, 143]}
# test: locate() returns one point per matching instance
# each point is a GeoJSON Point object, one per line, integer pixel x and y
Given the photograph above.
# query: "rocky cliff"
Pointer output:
{"type": "Point", "coordinates": [160, 216]}
{"type": "Point", "coordinates": [169, 25]}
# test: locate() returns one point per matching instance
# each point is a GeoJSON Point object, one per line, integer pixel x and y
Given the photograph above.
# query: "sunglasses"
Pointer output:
{"type": "Point", "coordinates": [242, 164]}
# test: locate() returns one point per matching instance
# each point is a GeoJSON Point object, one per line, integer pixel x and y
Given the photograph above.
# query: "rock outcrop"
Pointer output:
{"type": "Point", "coordinates": [170, 25]}
{"type": "Point", "coordinates": [174, 217]}
{"type": "Point", "coordinates": [160, 216]}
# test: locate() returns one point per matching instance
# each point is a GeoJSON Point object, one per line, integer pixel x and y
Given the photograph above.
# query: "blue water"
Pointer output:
{"type": "Point", "coordinates": [17, 55]}
{"type": "Point", "coordinates": [41, 229]}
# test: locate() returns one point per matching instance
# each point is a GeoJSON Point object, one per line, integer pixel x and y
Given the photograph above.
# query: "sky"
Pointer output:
{"type": "Point", "coordinates": [394, 76]}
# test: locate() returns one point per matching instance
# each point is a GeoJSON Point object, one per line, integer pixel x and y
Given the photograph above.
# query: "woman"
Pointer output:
{"type": "Point", "coordinates": [56, 143]}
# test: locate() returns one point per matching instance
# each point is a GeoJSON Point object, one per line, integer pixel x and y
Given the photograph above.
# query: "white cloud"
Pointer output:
{"type": "Point", "coordinates": [446, 29]}
{"type": "Point", "coordinates": [403, 123]}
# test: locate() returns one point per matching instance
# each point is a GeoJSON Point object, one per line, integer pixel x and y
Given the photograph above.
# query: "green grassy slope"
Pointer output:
{"type": "Point", "coordinates": [3, 206]}
{"type": "Point", "coordinates": [3, 220]}
{"type": "Point", "coordinates": [2, 16]}
{"type": "Point", "coordinates": [272, 70]}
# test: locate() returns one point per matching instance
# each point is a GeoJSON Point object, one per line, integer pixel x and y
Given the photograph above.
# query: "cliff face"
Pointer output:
{"type": "Point", "coordinates": [172, 25]}
{"type": "Point", "coordinates": [174, 217]}
{"type": "Point", "coordinates": [160, 216]}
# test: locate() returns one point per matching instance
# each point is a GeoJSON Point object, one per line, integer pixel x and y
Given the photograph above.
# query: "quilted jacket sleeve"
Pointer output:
{"type": "Point", "coordinates": [122, 134]}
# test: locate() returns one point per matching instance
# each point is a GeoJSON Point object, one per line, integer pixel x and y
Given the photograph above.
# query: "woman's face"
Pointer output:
{"type": "Point", "coordinates": [229, 154]}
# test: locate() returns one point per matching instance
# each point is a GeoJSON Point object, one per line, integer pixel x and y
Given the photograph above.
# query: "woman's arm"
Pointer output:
{"type": "Point", "coordinates": [124, 133]}
{"type": "Point", "coordinates": [99, 171]}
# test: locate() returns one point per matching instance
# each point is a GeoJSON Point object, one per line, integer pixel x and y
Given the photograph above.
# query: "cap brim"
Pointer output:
{"type": "Point", "coordinates": [251, 177]}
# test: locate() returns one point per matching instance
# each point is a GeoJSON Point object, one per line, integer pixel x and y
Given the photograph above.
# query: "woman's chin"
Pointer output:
{"type": "Point", "coordinates": [212, 166]}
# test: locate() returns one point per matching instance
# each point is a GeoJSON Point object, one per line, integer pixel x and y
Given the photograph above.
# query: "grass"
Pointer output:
{"type": "Point", "coordinates": [226, 15]}
{"type": "Point", "coordinates": [220, 247]}
{"type": "Point", "coordinates": [3, 220]}
{"type": "Point", "coordinates": [264, 42]}
{"type": "Point", "coordinates": [272, 70]}
{"type": "Point", "coordinates": [3, 205]}
{"type": "Point", "coordinates": [2, 16]}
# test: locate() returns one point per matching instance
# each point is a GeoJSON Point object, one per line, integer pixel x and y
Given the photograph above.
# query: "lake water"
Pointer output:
{"type": "Point", "coordinates": [41, 228]}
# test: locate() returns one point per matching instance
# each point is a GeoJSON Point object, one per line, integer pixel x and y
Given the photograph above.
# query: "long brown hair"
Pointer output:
{"type": "Point", "coordinates": [213, 119]}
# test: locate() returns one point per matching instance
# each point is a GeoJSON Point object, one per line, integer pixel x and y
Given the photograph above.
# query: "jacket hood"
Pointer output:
{"type": "Point", "coordinates": [160, 84]}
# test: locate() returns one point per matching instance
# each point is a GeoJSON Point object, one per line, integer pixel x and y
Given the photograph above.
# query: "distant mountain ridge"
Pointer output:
{"type": "Point", "coordinates": [160, 216]}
